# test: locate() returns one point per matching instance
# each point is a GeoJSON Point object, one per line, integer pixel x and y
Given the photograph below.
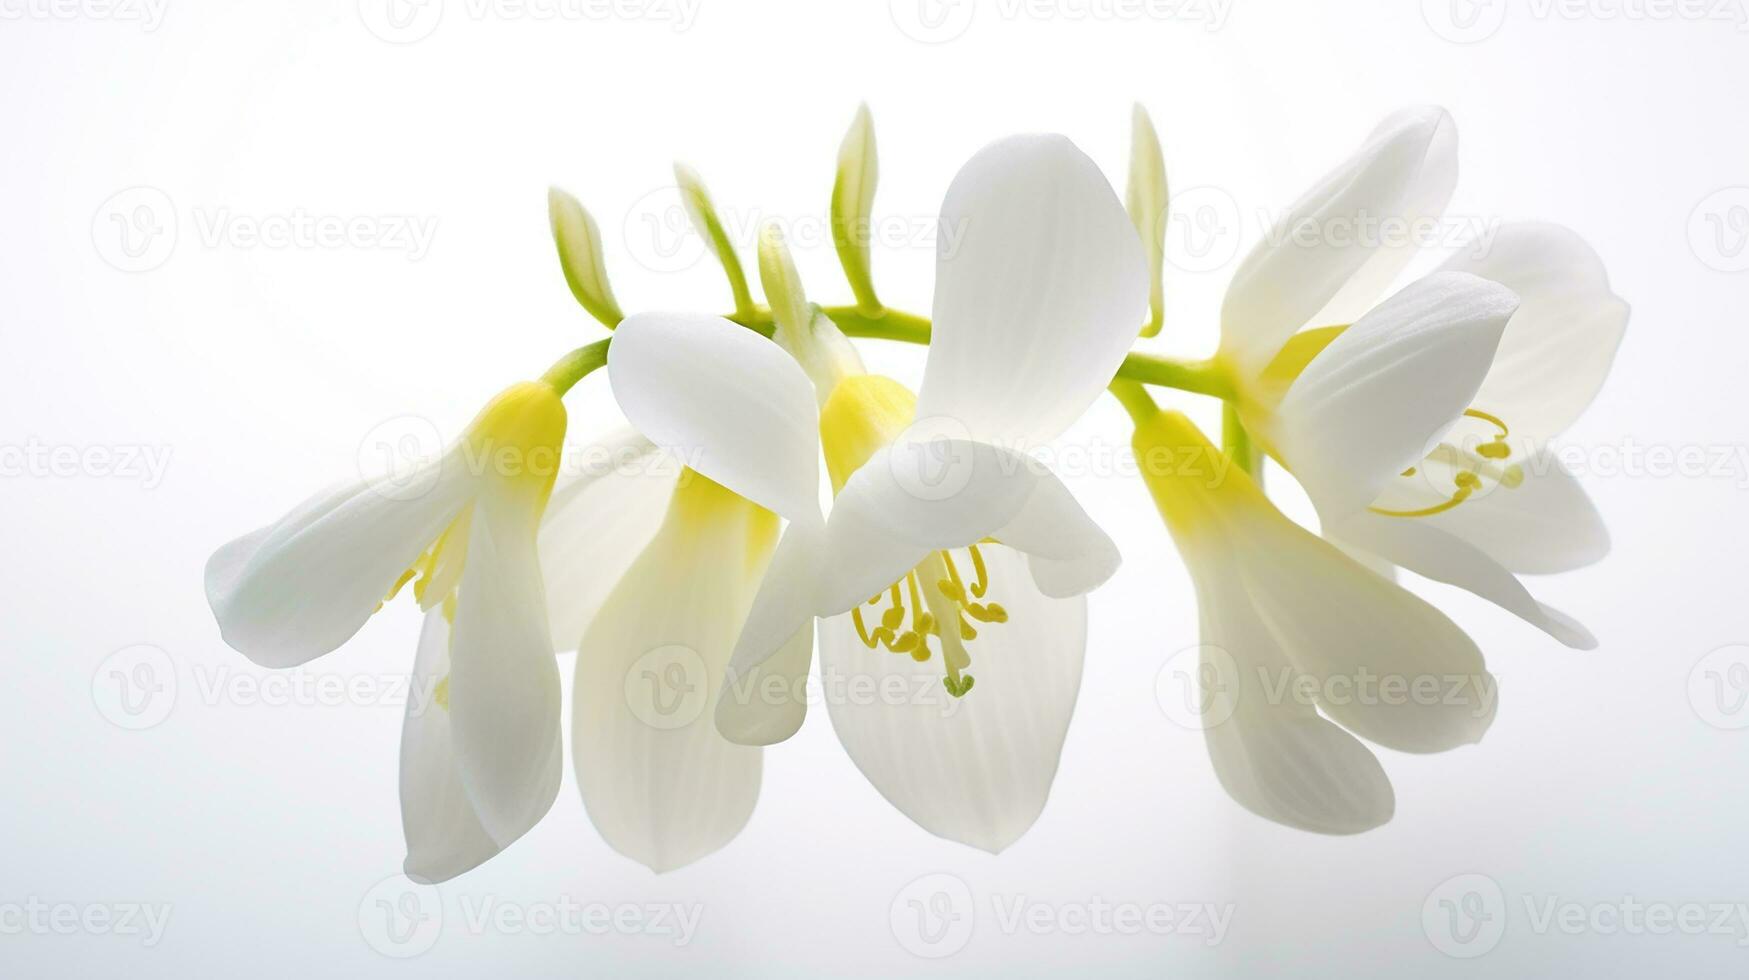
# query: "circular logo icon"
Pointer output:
{"type": "Point", "coordinates": [1202, 229]}
{"type": "Point", "coordinates": [399, 918]}
{"type": "Point", "coordinates": [1718, 688]}
{"type": "Point", "coordinates": [934, 458]}
{"type": "Point", "coordinates": [1464, 21]}
{"type": "Point", "coordinates": [399, 458]}
{"type": "Point", "coordinates": [135, 230]}
{"type": "Point", "coordinates": [1465, 916]}
{"type": "Point", "coordinates": [1198, 687]}
{"type": "Point", "coordinates": [933, 917]}
{"type": "Point", "coordinates": [659, 233]}
{"type": "Point", "coordinates": [667, 687]}
{"type": "Point", "coordinates": [1718, 230]}
{"type": "Point", "coordinates": [401, 21]}
{"type": "Point", "coordinates": [932, 21]}
{"type": "Point", "coordinates": [135, 687]}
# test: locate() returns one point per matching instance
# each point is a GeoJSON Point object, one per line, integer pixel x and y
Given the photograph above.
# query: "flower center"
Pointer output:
{"type": "Point", "coordinates": [1473, 470]}
{"type": "Point", "coordinates": [937, 593]}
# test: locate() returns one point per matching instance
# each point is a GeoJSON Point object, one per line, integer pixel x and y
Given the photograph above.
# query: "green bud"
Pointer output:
{"type": "Point", "coordinates": [579, 242]}
{"type": "Point", "coordinates": [853, 193]}
{"type": "Point", "coordinates": [703, 213]}
{"type": "Point", "coordinates": [1147, 203]}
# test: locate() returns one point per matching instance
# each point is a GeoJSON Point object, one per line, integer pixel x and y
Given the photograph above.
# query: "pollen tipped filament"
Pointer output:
{"type": "Point", "coordinates": [1473, 469]}
{"type": "Point", "coordinates": [933, 587]}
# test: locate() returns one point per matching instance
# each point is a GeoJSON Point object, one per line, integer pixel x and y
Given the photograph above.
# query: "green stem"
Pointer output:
{"type": "Point", "coordinates": [1136, 400]}
{"type": "Point", "coordinates": [575, 366]}
{"type": "Point", "coordinates": [1237, 443]}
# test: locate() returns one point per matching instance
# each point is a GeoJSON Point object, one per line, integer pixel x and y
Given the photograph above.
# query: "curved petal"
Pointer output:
{"type": "Point", "coordinates": [1429, 551]}
{"type": "Point", "coordinates": [595, 527]}
{"type": "Point", "coordinates": [1040, 288]}
{"type": "Point", "coordinates": [1326, 261]}
{"type": "Point", "coordinates": [763, 700]}
{"type": "Point", "coordinates": [301, 587]}
{"type": "Point", "coordinates": [1543, 525]}
{"type": "Point", "coordinates": [1274, 754]}
{"type": "Point", "coordinates": [912, 498]}
{"type": "Point", "coordinates": [1388, 666]}
{"type": "Point", "coordinates": [976, 769]}
{"type": "Point", "coordinates": [731, 403]}
{"type": "Point", "coordinates": [1559, 346]}
{"type": "Point", "coordinates": [504, 683]}
{"type": "Point", "coordinates": [662, 786]}
{"type": "Point", "coordinates": [1375, 400]}
{"type": "Point", "coordinates": [444, 836]}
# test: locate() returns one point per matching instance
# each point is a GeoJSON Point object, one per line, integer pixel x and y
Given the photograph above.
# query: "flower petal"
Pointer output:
{"type": "Point", "coordinates": [976, 769]}
{"type": "Point", "coordinates": [504, 683]}
{"type": "Point", "coordinates": [1546, 524]}
{"type": "Point", "coordinates": [1275, 755]}
{"type": "Point", "coordinates": [1390, 668]}
{"type": "Point", "coordinates": [1326, 261]}
{"type": "Point", "coordinates": [1426, 550]}
{"type": "Point", "coordinates": [1559, 346]}
{"type": "Point", "coordinates": [662, 786]}
{"type": "Point", "coordinates": [763, 701]}
{"type": "Point", "coordinates": [301, 587]}
{"type": "Point", "coordinates": [1040, 287]}
{"type": "Point", "coordinates": [1376, 399]}
{"type": "Point", "coordinates": [444, 836]}
{"type": "Point", "coordinates": [731, 403]}
{"type": "Point", "coordinates": [596, 525]}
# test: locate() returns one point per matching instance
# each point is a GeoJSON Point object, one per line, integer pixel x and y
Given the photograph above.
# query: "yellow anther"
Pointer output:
{"type": "Point", "coordinates": [926, 624]}
{"type": "Point", "coordinates": [996, 613]}
{"type": "Point", "coordinates": [1466, 480]}
{"type": "Point", "coordinates": [1513, 477]}
{"type": "Point", "coordinates": [1494, 450]}
{"type": "Point", "coordinates": [1409, 472]}
{"type": "Point", "coordinates": [440, 693]}
{"type": "Point", "coordinates": [967, 633]}
{"type": "Point", "coordinates": [893, 618]}
{"type": "Point", "coordinates": [921, 654]}
{"type": "Point", "coordinates": [952, 590]}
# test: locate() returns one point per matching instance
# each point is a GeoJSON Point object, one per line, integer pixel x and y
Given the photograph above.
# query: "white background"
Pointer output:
{"type": "Point", "coordinates": [264, 827]}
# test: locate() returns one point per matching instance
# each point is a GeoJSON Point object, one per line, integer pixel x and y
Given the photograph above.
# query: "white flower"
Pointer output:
{"type": "Point", "coordinates": [974, 554]}
{"type": "Point", "coordinates": [1418, 425]}
{"type": "Point", "coordinates": [1290, 627]}
{"type": "Point", "coordinates": [480, 766]}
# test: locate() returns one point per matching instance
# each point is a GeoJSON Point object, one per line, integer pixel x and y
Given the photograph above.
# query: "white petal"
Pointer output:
{"type": "Point", "coordinates": [1560, 344]}
{"type": "Point", "coordinates": [504, 684]}
{"type": "Point", "coordinates": [1275, 755]}
{"type": "Point", "coordinates": [1376, 399]}
{"type": "Point", "coordinates": [912, 498]}
{"type": "Point", "coordinates": [976, 769]}
{"type": "Point", "coordinates": [1356, 633]}
{"type": "Point", "coordinates": [1546, 524]}
{"type": "Point", "coordinates": [1327, 260]}
{"type": "Point", "coordinates": [776, 645]}
{"type": "Point", "coordinates": [301, 587]}
{"type": "Point", "coordinates": [662, 786]}
{"type": "Point", "coordinates": [1040, 288]}
{"type": "Point", "coordinates": [596, 525]}
{"type": "Point", "coordinates": [444, 836]}
{"type": "Point", "coordinates": [732, 404]}
{"type": "Point", "coordinates": [1429, 551]}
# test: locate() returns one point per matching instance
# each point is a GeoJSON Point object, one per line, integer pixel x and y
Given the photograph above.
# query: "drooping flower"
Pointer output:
{"type": "Point", "coordinates": [480, 757]}
{"type": "Point", "coordinates": [1302, 646]}
{"type": "Point", "coordinates": [972, 552]}
{"type": "Point", "coordinates": [1418, 425]}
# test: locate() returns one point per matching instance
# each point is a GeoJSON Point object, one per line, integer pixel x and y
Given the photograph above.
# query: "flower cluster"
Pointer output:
{"type": "Point", "coordinates": [949, 572]}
